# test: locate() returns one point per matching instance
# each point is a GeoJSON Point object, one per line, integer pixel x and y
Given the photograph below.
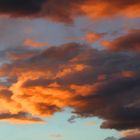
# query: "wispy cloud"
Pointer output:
{"type": "Point", "coordinates": [34, 44]}
{"type": "Point", "coordinates": [90, 123]}
{"type": "Point", "coordinates": [56, 136]}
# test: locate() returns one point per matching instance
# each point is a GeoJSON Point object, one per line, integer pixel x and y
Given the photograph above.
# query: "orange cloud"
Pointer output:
{"type": "Point", "coordinates": [19, 56]}
{"type": "Point", "coordinates": [92, 82]}
{"type": "Point", "coordinates": [90, 123]}
{"type": "Point", "coordinates": [105, 8]}
{"type": "Point", "coordinates": [128, 42]}
{"type": "Point", "coordinates": [128, 74]}
{"type": "Point", "coordinates": [56, 136]}
{"type": "Point", "coordinates": [132, 134]}
{"type": "Point", "coordinates": [34, 44]}
{"type": "Point", "coordinates": [66, 11]}
{"type": "Point", "coordinates": [91, 37]}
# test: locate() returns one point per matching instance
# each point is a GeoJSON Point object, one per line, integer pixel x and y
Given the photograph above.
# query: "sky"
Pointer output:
{"type": "Point", "coordinates": [69, 70]}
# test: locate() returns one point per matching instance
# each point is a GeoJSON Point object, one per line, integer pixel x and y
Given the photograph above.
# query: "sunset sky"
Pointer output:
{"type": "Point", "coordinates": [70, 69]}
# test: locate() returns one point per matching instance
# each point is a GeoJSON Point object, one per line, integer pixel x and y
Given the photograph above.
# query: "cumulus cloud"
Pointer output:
{"type": "Point", "coordinates": [92, 82]}
{"type": "Point", "coordinates": [127, 42]}
{"type": "Point", "coordinates": [66, 11]}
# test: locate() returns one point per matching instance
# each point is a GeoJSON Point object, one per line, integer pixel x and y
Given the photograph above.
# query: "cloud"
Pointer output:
{"type": "Point", "coordinates": [21, 8]}
{"type": "Point", "coordinates": [92, 37]}
{"type": "Point", "coordinates": [128, 42]}
{"type": "Point", "coordinates": [18, 54]}
{"type": "Point", "coordinates": [34, 44]}
{"type": "Point", "coordinates": [89, 37]}
{"type": "Point", "coordinates": [110, 138]}
{"type": "Point", "coordinates": [105, 8]}
{"type": "Point", "coordinates": [56, 136]}
{"type": "Point", "coordinates": [20, 118]}
{"type": "Point", "coordinates": [91, 123]}
{"type": "Point", "coordinates": [66, 11]}
{"type": "Point", "coordinates": [133, 134]}
{"type": "Point", "coordinates": [73, 118]}
{"type": "Point", "coordinates": [92, 82]}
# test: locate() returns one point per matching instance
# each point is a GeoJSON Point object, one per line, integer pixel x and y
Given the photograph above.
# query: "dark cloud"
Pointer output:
{"type": "Point", "coordinates": [66, 11]}
{"type": "Point", "coordinates": [129, 42]}
{"type": "Point", "coordinates": [134, 138]}
{"type": "Point", "coordinates": [21, 7]}
{"type": "Point", "coordinates": [20, 117]}
{"type": "Point", "coordinates": [72, 118]}
{"type": "Point", "coordinates": [92, 82]}
{"type": "Point", "coordinates": [52, 9]}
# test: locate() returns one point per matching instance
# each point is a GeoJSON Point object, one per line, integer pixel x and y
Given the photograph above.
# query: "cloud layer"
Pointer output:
{"type": "Point", "coordinates": [66, 11]}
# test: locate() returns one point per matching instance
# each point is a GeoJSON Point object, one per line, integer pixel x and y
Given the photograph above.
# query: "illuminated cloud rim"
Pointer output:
{"type": "Point", "coordinates": [129, 42]}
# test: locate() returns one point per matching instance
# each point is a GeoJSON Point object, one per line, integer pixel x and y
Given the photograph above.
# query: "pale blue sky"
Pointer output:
{"type": "Point", "coordinates": [58, 124]}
